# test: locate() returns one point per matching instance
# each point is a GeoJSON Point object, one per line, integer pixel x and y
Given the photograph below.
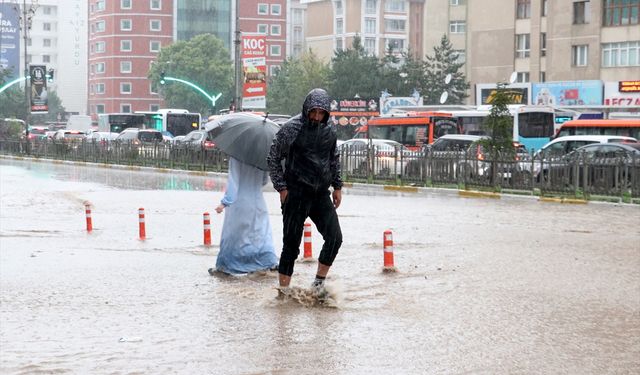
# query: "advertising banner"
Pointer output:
{"type": "Point", "coordinates": [354, 112]}
{"type": "Point", "coordinates": [390, 102]}
{"type": "Point", "coordinates": [567, 93]}
{"type": "Point", "coordinates": [518, 92]}
{"type": "Point", "coordinates": [622, 94]}
{"type": "Point", "coordinates": [254, 68]}
{"type": "Point", "coordinates": [39, 101]}
{"type": "Point", "coordinates": [9, 39]}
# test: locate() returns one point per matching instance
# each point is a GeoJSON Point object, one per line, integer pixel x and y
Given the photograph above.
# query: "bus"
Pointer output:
{"type": "Point", "coordinates": [624, 127]}
{"type": "Point", "coordinates": [173, 121]}
{"type": "Point", "coordinates": [413, 129]}
{"type": "Point", "coordinates": [469, 121]}
{"type": "Point", "coordinates": [117, 122]}
{"type": "Point", "coordinates": [534, 126]}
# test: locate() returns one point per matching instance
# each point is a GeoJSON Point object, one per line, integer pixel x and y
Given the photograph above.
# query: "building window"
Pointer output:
{"type": "Point", "coordinates": [395, 45]}
{"type": "Point", "coordinates": [273, 70]}
{"type": "Point", "coordinates": [46, 42]}
{"type": "Point", "coordinates": [99, 26]}
{"type": "Point", "coordinates": [125, 4]}
{"type": "Point", "coordinates": [462, 56]}
{"type": "Point", "coordinates": [397, 6]}
{"type": "Point", "coordinates": [29, 42]}
{"type": "Point", "coordinates": [125, 88]}
{"type": "Point", "coordinates": [274, 50]}
{"type": "Point", "coordinates": [154, 107]}
{"type": "Point", "coordinates": [99, 108]}
{"type": "Point", "coordinates": [125, 25]}
{"type": "Point", "coordinates": [99, 5]}
{"type": "Point", "coordinates": [46, 10]}
{"type": "Point", "coordinates": [339, 44]}
{"type": "Point", "coordinates": [619, 12]}
{"type": "Point", "coordinates": [339, 9]}
{"type": "Point", "coordinates": [579, 55]}
{"type": "Point", "coordinates": [581, 12]}
{"type": "Point", "coordinates": [263, 9]}
{"type": "Point", "coordinates": [457, 2]}
{"type": "Point", "coordinates": [263, 28]}
{"type": "Point", "coordinates": [297, 16]}
{"type": "Point", "coordinates": [275, 30]}
{"type": "Point", "coordinates": [155, 5]}
{"type": "Point", "coordinates": [457, 27]}
{"type": "Point", "coordinates": [155, 25]}
{"type": "Point", "coordinates": [523, 9]}
{"type": "Point", "coordinates": [371, 7]}
{"type": "Point", "coordinates": [100, 68]}
{"type": "Point", "coordinates": [297, 34]}
{"type": "Point", "coordinates": [543, 44]}
{"type": "Point", "coordinates": [154, 46]}
{"type": "Point", "coordinates": [621, 54]}
{"type": "Point", "coordinates": [46, 58]}
{"type": "Point", "coordinates": [339, 26]}
{"type": "Point", "coordinates": [125, 66]}
{"type": "Point", "coordinates": [125, 46]}
{"type": "Point", "coordinates": [276, 9]}
{"type": "Point", "coordinates": [370, 25]}
{"type": "Point", "coordinates": [125, 108]}
{"type": "Point", "coordinates": [545, 8]}
{"type": "Point", "coordinates": [370, 46]}
{"type": "Point", "coordinates": [543, 77]}
{"type": "Point", "coordinates": [394, 25]}
{"type": "Point", "coordinates": [46, 26]}
{"type": "Point", "coordinates": [523, 45]}
{"type": "Point", "coordinates": [522, 77]}
{"type": "Point", "coordinates": [99, 88]}
{"type": "Point", "coordinates": [99, 47]}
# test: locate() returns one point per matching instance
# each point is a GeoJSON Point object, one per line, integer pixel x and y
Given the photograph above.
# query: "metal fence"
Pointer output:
{"type": "Point", "coordinates": [578, 176]}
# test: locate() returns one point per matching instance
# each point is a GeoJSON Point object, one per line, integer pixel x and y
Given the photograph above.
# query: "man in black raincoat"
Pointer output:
{"type": "Point", "coordinates": [307, 144]}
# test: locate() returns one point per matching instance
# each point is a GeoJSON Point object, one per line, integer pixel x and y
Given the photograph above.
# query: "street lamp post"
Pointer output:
{"type": "Point", "coordinates": [238, 67]}
{"type": "Point", "coordinates": [25, 25]}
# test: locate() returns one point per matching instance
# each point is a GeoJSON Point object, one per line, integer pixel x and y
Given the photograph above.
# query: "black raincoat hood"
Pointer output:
{"type": "Point", "coordinates": [316, 98]}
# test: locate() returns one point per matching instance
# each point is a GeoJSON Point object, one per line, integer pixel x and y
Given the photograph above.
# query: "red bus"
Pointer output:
{"type": "Point", "coordinates": [624, 127]}
{"type": "Point", "coordinates": [413, 129]}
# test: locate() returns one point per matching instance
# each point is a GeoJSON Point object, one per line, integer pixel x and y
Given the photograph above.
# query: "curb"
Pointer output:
{"type": "Point", "coordinates": [563, 200]}
{"type": "Point", "coordinates": [478, 194]}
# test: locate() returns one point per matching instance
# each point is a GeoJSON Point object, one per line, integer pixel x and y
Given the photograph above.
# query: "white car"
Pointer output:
{"type": "Point", "coordinates": [383, 156]}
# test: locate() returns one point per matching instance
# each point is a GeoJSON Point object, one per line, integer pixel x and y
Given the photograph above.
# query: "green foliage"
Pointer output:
{"type": "Point", "coordinates": [353, 72]}
{"type": "Point", "coordinates": [293, 82]}
{"type": "Point", "coordinates": [13, 104]}
{"type": "Point", "coordinates": [437, 66]}
{"type": "Point", "coordinates": [499, 125]}
{"type": "Point", "coordinates": [203, 61]}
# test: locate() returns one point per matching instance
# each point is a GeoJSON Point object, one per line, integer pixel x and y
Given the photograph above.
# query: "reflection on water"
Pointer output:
{"type": "Point", "coordinates": [124, 178]}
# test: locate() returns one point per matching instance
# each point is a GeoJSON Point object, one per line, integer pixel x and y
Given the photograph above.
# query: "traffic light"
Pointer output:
{"type": "Point", "coordinates": [50, 75]}
{"type": "Point", "coordinates": [162, 78]}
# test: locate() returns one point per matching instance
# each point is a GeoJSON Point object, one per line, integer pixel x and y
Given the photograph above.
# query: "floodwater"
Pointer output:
{"type": "Point", "coordinates": [483, 286]}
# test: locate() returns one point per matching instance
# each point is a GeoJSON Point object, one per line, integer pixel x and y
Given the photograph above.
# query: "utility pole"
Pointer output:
{"type": "Point", "coordinates": [238, 63]}
{"type": "Point", "coordinates": [26, 19]}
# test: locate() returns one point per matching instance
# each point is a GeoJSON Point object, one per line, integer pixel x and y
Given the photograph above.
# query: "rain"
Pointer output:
{"type": "Point", "coordinates": [510, 285]}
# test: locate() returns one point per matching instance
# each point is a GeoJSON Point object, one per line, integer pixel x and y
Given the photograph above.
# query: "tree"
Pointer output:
{"type": "Point", "coordinates": [499, 126]}
{"type": "Point", "coordinates": [444, 61]}
{"type": "Point", "coordinates": [13, 104]}
{"type": "Point", "coordinates": [294, 80]}
{"type": "Point", "coordinates": [353, 72]}
{"type": "Point", "coordinates": [203, 61]}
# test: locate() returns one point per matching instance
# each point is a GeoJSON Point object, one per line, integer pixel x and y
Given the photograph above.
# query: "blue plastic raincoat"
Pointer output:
{"type": "Point", "coordinates": [246, 243]}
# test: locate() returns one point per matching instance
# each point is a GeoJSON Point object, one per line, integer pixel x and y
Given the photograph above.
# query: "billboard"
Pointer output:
{"type": "Point", "coordinates": [38, 93]}
{"type": "Point", "coordinates": [387, 103]}
{"type": "Point", "coordinates": [354, 112]}
{"type": "Point", "coordinates": [622, 94]}
{"type": "Point", "coordinates": [567, 93]}
{"type": "Point", "coordinates": [9, 39]}
{"type": "Point", "coordinates": [518, 92]}
{"type": "Point", "coordinates": [254, 69]}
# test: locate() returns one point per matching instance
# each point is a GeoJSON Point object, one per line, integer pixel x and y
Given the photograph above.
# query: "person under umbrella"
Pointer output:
{"type": "Point", "coordinates": [246, 243]}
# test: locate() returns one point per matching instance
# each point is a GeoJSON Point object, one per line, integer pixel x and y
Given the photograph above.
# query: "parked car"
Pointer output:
{"type": "Point", "coordinates": [143, 142]}
{"type": "Point", "coordinates": [197, 140]}
{"type": "Point", "coordinates": [38, 133]}
{"type": "Point", "coordinates": [454, 142]}
{"type": "Point", "coordinates": [386, 157]}
{"type": "Point", "coordinates": [101, 140]}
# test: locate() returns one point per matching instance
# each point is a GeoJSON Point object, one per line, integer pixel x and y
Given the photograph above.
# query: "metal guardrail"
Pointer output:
{"type": "Point", "coordinates": [580, 176]}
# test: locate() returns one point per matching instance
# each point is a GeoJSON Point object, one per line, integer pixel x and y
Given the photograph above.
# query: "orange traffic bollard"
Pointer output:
{"type": "Point", "coordinates": [307, 241]}
{"type": "Point", "coordinates": [87, 211]}
{"type": "Point", "coordinates": [207, 229]}
{"type": "Point", "coordinates": [143, 232]}
{"type": "Point", "coordinates": [388, 250]}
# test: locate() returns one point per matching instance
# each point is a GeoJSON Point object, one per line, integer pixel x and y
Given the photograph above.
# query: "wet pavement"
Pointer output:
{"type": "Point", "coordinates": [483, 286]}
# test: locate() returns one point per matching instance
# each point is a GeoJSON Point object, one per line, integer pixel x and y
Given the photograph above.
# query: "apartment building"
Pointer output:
{"type": "Point", "coordinates": [382, 25]}
{"type": "Point", "coordinates": [267, 17]}
{"type": "Point", "coordinates": [195, 17]}
{"type": "Point", "coordinates": [296, 29]}
{"type": "Point", "coordinates": [58, 39]}
{"type": "Point", "coordinates": [539, 40]}
{"type": "Point", "coordinates": [125, 37]}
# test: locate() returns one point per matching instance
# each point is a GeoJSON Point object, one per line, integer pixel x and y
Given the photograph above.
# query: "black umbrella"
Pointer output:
{"type": "Point", "coordinates": [244, 136]}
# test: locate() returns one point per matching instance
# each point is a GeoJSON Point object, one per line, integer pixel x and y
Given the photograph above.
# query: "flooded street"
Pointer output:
{"type": "Point", "coordinates": [484, 286]}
